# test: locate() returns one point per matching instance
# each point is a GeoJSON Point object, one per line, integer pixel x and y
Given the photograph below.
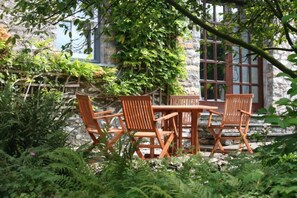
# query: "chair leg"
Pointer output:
{"type": "Point", "coordinates": [114, 140]}
{"type": "Point", "coordinates": [138, 152]}
{"type": "Point", "coordinates": [216, 145]}
{"type": "Point", "coordinates": [93, 137]}
{"type": "Point", "coordinates": [243, 136]}
{"type": "Point", "coordinates": [166, 147]}
{"type": "Point", "coordinates": [250, 150]}
{"type": "Point", "coordinates": [212, 132]}
{"type": "Point", "coordinates": [152, 150]}
{"type": "Point", "coordinates": [217, 138]}
{"type": "Point", "coordinates": [140, 155]}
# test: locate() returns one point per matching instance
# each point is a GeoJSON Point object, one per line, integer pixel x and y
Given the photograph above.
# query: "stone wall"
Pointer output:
{"type": "Point", "coordinates": [191, 84]}
{"type": "Point", "coordinates": [274, 88]}
{"type": "Point", "coordinates": [280, 86]}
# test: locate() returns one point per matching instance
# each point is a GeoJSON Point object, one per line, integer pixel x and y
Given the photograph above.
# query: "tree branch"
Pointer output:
{"type": "Point", "coordinates": [233, 40]}
{"type": "Point", "coordinates": [278, 48]}
{"type": "Point", "coordinates": [279, 14]}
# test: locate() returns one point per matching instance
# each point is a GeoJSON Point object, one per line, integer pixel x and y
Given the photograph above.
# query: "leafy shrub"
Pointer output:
{"type": "Point", "coordinates": [45, 173]}
{"type": "Point", "coordinates": [149, 54]}
{"type": "Point", "coordinates": [37, 121]}
{"type": "Point", "coordinates": [65, 173]}
{"type": "Point", "coordinates": [287, 116]}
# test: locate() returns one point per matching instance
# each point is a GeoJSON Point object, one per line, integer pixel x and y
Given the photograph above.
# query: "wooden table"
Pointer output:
{"type": "Point", "coordinates": [194, 110]}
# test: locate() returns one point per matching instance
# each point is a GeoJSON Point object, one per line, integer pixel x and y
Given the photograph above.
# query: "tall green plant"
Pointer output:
{"type": "Point", "coordinates": [47, 173]}
{"type": "Point", "coordinates": [284, 113]}
{"type": "Point", "coordinates": [37, 121]}
{"type": "Point", "coordinates": [149, 53]}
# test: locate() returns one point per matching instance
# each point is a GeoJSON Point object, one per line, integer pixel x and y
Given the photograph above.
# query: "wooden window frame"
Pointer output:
{"type": "Point", "coordinates": [228, 80]}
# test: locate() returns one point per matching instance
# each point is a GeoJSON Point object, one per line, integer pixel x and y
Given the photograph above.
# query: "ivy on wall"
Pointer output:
{"type": "Point", "coordinates": [149, 54]}
{"type": "Point", "coordinates": [42, 65]}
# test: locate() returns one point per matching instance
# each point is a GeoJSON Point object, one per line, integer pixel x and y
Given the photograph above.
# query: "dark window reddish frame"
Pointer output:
{"type": "Point", "coordinates": [223, 71]}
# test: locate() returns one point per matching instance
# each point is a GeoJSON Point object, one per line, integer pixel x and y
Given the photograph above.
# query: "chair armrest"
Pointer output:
{"type": "Point", "coordinates": [103, 112]}
{"type": "Point", "coordinates": [168, 116]}
{"type": "Point", "coordinates": [210, 116]}
{"type": "Point", "coordinates": [108, 116]}
{"type": "Point", "coordinates": [245, 112]}
{"type": "Point", "coordinates": [171, 115]}
{"type": "Point", "coordinates": [215, 112]}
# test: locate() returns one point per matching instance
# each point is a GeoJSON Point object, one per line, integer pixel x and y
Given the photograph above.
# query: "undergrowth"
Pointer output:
{"type": "Point", "coordinates": [36, 162]}
{"type": "Point", "coordinates": [65, 173]}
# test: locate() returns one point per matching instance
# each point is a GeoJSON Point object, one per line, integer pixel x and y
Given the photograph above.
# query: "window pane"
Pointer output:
{"type": "Point", "coordinates": [255, 75]}
{"type": "Point", "coordinates": [210, 91]}
{"type": "Point", "coordinates": [236, 73]}
{"type": "Point", "coordinates": [255, 91]}
{"type": "Point", "coordinates": [210, 36]}
{"type": "Point", "coordinates": [202, 33]}
{"type": "Point", "coordinates": [234, 10]}
{"type": "Point", "coordinates": [236, 89]}
{"type": "Point", "coordinates": [201, 52]}
{"type": "Point", "coordinates": [245, 89]}
{"type": "Point", "coordinates": [78, 44]}
{"type": "Point", "coordinates": [210, 71]}
{"type": "Point", "coordinates": [210, 51]}
{"type": "Point", "coordinates": [221, 91]}
{"type": "Point", "coordinates": [244, 53]}
{"type": "Point", "coordinates": [245, 74]}
{"type": "Point", "coordinates": [201, 71]}
{"type": "Point", "coordinates": [254, 60]}
{"type": "Point", "coordinates": [221, 71]}
{"type": "Point", "coordinates": [219, 13]}
{"type": "Point", "coordinates": [220, 52]}
{"type": "Point", "coordinates": [235, 54]}
{"type": "Point", "coordinates": [245, 37]}
{"type": "Point", "coordinates": [202, 88]}
{"type": "Point", "coordinates": [61, 38]}
{"type": "Point", "coordinates": [209, 11]}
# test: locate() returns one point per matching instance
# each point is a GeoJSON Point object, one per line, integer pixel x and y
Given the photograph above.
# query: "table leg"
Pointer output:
{"type": "Point", "coordinates": [168, 125]}
{"type": "Point", "coordinates": [194, 131]}
{"type": "Point", "coordinates": [180, 130]}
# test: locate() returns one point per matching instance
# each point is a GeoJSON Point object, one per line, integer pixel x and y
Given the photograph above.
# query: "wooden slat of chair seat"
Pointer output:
{"type": "Point", "coordinates": [142, 124]}
{"type": "Point", "coordinates": [237, 113]}
{"type": "Point", "coordinates": [186, 118]}
{"type": "Point", "coordinates": [91, 121]}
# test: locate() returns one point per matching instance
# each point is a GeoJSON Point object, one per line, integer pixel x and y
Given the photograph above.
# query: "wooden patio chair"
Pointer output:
{"type": "Point", "coordinates": [186, 117]}
{"type": "Point", "coordinates": [237, 113]}
{"type": "Point", "coordinates": [143, 125]}
{"type": "Point", "coordinates": [92, 120]}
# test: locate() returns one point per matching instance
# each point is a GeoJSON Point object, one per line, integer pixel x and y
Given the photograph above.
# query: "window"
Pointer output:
{"type": "Point", "coordinates": [79, 41]}
{"type": "Point", "coordinates": [227, 68]}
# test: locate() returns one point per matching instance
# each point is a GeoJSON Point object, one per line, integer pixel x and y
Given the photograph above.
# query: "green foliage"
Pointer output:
{"type": "Point", "coordinates": [44, 173]}
{"type": "Point", "coordinates": [64, 173]}
{"type": "Point", "coordinates": [43, 66]}
{"type": "Point", "coordinates": [284, 112]}
{"type": "Point", "coordinates": [279, 161]}
{"type": "Point", "coordinates": [146, 35]}
{"type": "Point", "coordinates": [37, 121]}
{"type": "Point", "coordinates": [149, 53]}
{"type": "Point", "coordinates": [44, 60]}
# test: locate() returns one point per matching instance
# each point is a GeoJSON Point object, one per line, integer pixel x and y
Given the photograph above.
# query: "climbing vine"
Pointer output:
{"type": "Point", "coordinates": [149, 54]}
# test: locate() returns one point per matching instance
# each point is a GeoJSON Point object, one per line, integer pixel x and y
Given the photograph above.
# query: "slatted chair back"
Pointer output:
{"type": "Point", "coordinates": [138, 113]}
{"type": "Point", "coordinates": [234, 103]}
{"type": "Point", "coordinates": [185, 100]}
{"type": "Point", "coordinates": [86, 111]}
{"type": "Point", "coordinates": [237, 115]}
{"type": "Point", "coordinates": [91, 121]}
{"type": "Point", "coordinates": [141, 121]}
